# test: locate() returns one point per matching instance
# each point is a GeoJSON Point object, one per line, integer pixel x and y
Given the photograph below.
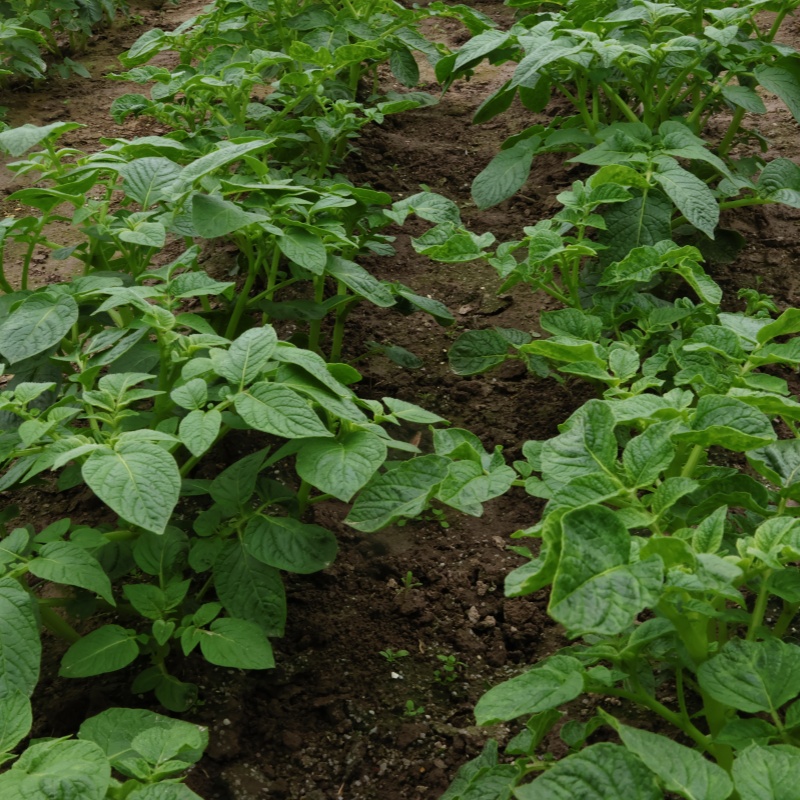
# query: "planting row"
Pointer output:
{"type": "Point", "coordinates": [661, 559]}
{"type": "Point", "coordinates": [670, 536]}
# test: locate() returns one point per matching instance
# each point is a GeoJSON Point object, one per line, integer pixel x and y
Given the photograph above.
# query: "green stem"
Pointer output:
{"type": "Point", "coordinates": [760, 607]}
{"type": "Point", "coordinates": [302, 497]}
{"type": "Point", "coordinates": [788, 613]}
{"type": "Point", "coordinates": [692, 462]}
{"type": "Point", "coordinates": [627, 112]}
{"type": "Point", "coordinates": [241, 303]}
{"type": "Point", "coordinates": [727, 140]}
{"type": "Point", "coordinates": [58, 625]}
{"type": "Point", "coordinates": [316, 325]}
{"type": "Point", "coordinates": [338, 328]}
{"type": "Point", "coordinates": [29, 253]}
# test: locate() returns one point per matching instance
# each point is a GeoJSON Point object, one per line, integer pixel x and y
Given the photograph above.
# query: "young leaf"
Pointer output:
{"type": "Point", "coordinates": [249, 589]}
{"type": "Point", "coordinates": [234, 486]}
{"type": "Point", "coordinates": [692, 197]}
{"type": "Point", "coordinates": [247, 356]}
{"type": "Point", "coordinates": [279, 410]}
{"type": "Point", "coordinates": [70, 564]}
{"type": "Point", "coordinates": [199, 430]}
{"type": "Point", "coordinates": [37, 324]}
{"type": "Point", "coordinates": [681, 770]}
{"type": "Point", "coordinates": [288, 544]}
{"type": "Point", "coordinates": [647, 455]}
{"type": "Point", "coordinates": [236, 643]}
{"type": "Point", "coordinates": [478, 351]}
{"type": "Point", "coordinates": [596, 589]}
{"type": "Point", "coordinates": [103, 650]}
{"type": "Point", "coordinates": [766, 773]}
{"type": "Point", "coordinates": [599, 772]}
{"type": "Point", "coordinates": [548, 685]}
{"type": "Point", "coordinates": [16, 719]}
{"type": "Point", "coordinates": [728, 422]}
{"type": "Point", "coordinates": [213, 216]}
{"type": "Point", "coordinates": [401, 492]}
{"type": "Point", "coordinates": [343, 466]}
{"type": "Point", "coordinates": [505, 174]}
{"type": "Point", "coordinates": [58, 769]}
{"type": "Point", "coordinates": [753, 676]}
{"type": "Point", "coordinates": [138, 480]}
{"type": "Point", "coordinates": [20, 647]}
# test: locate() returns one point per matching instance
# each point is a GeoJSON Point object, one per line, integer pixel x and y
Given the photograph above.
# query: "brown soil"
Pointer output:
{"type": "Point", "coordinates": [329, 721]}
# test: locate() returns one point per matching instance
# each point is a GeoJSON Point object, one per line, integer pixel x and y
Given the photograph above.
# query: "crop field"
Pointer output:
{"type": "Point", "coordinates": [399, 402]}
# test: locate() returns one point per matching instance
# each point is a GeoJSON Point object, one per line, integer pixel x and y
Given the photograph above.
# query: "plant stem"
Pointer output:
{"type": "Point", "coordinates": [727, 140]}
{"type": "Point", "coordinates": [760, 607]}
{"type": "Point", "coordinates": [788, 613]}
{"type": "Point", "coordinates": [316, 325]}
{"type": "Point", "coordinates": [692, 462]}
{"type": "Point", "coordinates": [58, 625]}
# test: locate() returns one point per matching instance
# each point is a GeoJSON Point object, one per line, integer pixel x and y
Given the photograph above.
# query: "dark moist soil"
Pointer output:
{"type": "Point", "coordinates": [330, 721]}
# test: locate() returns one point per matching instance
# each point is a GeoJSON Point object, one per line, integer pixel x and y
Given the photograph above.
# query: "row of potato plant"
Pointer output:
{"type": "Point", "coordinates": [34, 31]}
{"type": "Point", "coordinates": [125, 378]}
{"type": "Point", "coordinates": [670, 536]}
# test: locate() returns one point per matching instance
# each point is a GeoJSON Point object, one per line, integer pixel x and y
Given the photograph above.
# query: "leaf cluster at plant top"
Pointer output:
{"type": "Point", "coordinates": [124, 378]}
{"type": "Point", "coordinates": [670, 524]}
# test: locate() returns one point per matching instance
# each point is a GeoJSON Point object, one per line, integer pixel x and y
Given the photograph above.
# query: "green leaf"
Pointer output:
{"type": "Point", "coordinates": [343, 466]}
{"type": "Point", "coordinates": [783, 79]}
{"type": "Point", "coordinates": [199, 430]}
{"type": "Point", "coordinates": [20, 648]}
{"type": "Point", "coordinates": [304, 248]}
{"type": "Point", "coordinates": [103, 650]}
{"type": "Point", "coordinates": [226, 154]}
{"type": "Point", "coordinates": [164, 791]}
{"type": "Point", "coordinates": [478, 351]}
{"type": "Point", "coordinates": [767, 773]}
{"type": "Point", "coordinates": [642, 221]}
{"type": "Point", "coordinates": [236, 643]}
{"type": "Point", "coordinates": [404, 67]}
{"type": "Point", "coordinates": [234, 486]}
{"type": "Point", "coordinates": [146, 234]}
{"type": "Point", "coordinates": [744, 97]}
{"type": "Point", "coordinates": [681, 769]}
{"type": "Point", "coordinates": [707, 536]}
{"type": "Point", "coordinates": [70, 564]}
{"type": "Point", "coordinates": [139, 481]}
{"type": "Point", "coordinates": [467, 486]}
{"type": "Point", "coordinates": [116, 729]}
{"type": "Point", "coordinates": [778, 462]}
{"type": "Point", "coordinates": [192, 395]}
{"type": "Point", "coordinates": [599, 772]}
{"type": "Point", "coordinates": [149, 180]}
{"type": "Point", "coordinates": [596, 589]}
{"type": "Point", "coordinates": [15, 141]}
{"type": "Point", "coordinates": [692, 197]}
{"type": "Point", "coordinates": [249, 589]}
{"type": "Point", "coordinates": [16, 719]}
{"type": "Point", "coordinates": [647, 455]}
{"type": "Point", "coordinates": [61, 770]}
{"type": "Point", "coordinates": [359, 281]}
{"type": "Point", "coordinates": [753, 676]}
{"type": "Point", "coordinates": [247, 356]}
{"type": "Point", "coordinates": [279, 410]}
{"type": "Point", "coordinates": [505, 174]}
{"type": "Point", "coordinates": [787, 323]}
{"type": "Point", "coordinates": [728, 422]}
{"type": "Point", "coordinates": [587, 447]}
{"type": "Point", "coordinates": [288, 544]}
{"type": "Point", "coordinates": [213, 216]}
{"type": "Point", "coordinates": [401, 492]}
{"type": "Point", "coordinates": [550, 684]}
{"type": "Point", "coordinates": [39, 322]}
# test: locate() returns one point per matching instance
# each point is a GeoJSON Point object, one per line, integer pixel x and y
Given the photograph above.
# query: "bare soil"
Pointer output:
{"type": "Point", "coordinates": [329, 721]}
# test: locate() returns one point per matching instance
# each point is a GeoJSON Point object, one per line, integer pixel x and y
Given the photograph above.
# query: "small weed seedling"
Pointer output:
{"type": "Point", "coordinates": [393, 656]}
{"type": "Point", "coordinates": [412, 710]}
{"type": "Point", "coordinates": [408, 582]}
{"type": "Point", "coordinates": [450, 669]}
